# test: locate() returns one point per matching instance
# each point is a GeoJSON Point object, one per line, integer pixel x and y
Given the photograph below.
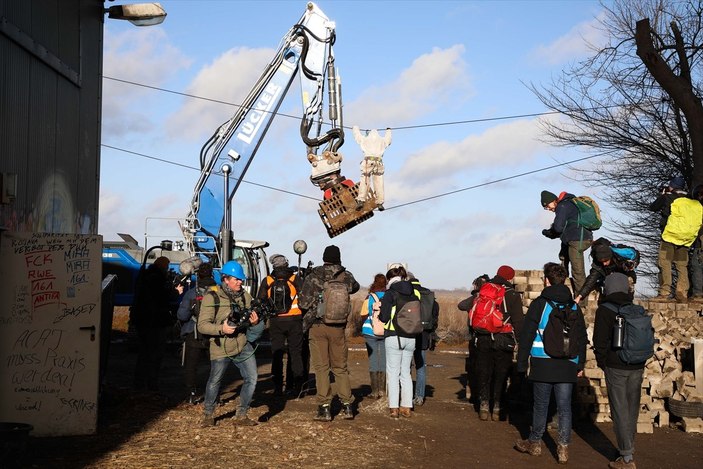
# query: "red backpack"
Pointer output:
{"type": "Point", "coordinates": [486, 314]}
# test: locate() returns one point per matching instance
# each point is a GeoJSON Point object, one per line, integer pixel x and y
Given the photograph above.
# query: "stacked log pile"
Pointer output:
{"type": "Point", "coordinates": [675, 326]}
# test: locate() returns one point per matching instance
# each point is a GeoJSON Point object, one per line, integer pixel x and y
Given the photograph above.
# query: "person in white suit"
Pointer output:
{"type": "Point", "coordinates": [373, 146]}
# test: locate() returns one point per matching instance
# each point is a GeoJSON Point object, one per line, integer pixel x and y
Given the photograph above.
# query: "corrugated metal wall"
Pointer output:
{"type": "Point", "coordinates": [50, 87]}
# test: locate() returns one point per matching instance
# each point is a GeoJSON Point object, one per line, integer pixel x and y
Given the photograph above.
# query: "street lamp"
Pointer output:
{"type": "Point", "coordinates": [139, 14]}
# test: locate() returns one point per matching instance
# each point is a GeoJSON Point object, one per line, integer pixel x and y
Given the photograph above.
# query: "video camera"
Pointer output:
{"type": "Point", "coordinates": [239, 317]}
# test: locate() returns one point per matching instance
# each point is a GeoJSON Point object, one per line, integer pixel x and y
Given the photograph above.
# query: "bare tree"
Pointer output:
{"type": "Point", "coordinates": [638, 98]}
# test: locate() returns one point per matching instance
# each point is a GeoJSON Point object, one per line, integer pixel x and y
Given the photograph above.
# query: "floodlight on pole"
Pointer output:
{"type": "Point", "coordinates": [139, 14]}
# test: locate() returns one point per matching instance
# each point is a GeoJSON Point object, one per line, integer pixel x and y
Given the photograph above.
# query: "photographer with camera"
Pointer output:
{"type": "Point", "coordinates": [228, 318]}
{"type": "Point", "coordinates": [680, 223]}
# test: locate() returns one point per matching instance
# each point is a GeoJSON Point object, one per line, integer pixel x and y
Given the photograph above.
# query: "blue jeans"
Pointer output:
{"type": "Point", "coordinates": [376, 349]}
{"type": "Point", "coordinates": [399, 357]}
{"type": "Point", "coordinates": [246, 362]}
{"type": "Point", "coordinates": [562, 394]}
{"type": "Point", "coordinates": [420, 372]}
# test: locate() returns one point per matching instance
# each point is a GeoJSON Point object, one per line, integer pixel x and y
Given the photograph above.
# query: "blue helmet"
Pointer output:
{"type": "Point", "coordinates": [233, 269]}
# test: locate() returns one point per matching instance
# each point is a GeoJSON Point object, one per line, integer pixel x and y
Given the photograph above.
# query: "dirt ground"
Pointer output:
{"type": "Point", "coordinates": [161, 431]}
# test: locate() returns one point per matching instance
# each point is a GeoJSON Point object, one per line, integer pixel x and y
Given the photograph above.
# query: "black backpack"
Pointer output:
{"type": "Point", "coordinates": [560, 337]}
{"type": "Point", "coordinates": [427, 307]}
{"type": "Point", "coordinates": [638, 343]}
{"type": "Point", "coordinates": [280, 293]}
{"type": "Point", "coordinates": [408, 315]}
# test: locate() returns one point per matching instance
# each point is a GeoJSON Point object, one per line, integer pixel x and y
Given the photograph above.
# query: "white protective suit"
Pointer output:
{"type": "Point", "coordinates": [373, 146]}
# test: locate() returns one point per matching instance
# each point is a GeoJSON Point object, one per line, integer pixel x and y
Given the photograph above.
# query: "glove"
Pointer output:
{"type": "Point", "coordinates": [547, 233]}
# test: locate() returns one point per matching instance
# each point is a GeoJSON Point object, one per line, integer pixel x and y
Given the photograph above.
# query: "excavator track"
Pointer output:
{"type": "Point", "coordinates": [339, 212]}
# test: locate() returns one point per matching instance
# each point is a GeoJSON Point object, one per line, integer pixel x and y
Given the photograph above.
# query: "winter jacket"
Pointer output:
{"type": "Point", "coordinates": [398, 293]}
{"type": "Point", "coordinates": [565, 224]}
{"type": "Point", "coordinates": [662, 204]}
{"type": "Point", "coordinates": [606, 356]}
{"type": "Point", "coordinates": [597, 275]}
{"type": "Point", "coordinates": [545, 369]}
{"type": "Point", "coordinates": [312, 290]}
{"type": "Point", "coordinates": [283, 272]}
{"type": "Point", "coordinates": [186, 309]}
{"type": "Point", "coordinates": [210, 320]}
{"type": "Point", "coordinates": [155, 299]}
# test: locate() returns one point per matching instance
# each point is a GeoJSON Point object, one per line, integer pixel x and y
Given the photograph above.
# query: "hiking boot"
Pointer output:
{"type": "Point", "coordinates": [620, 463]}
{"type": "Point", "coordinates": [533, 448]}
{"type": "Point", "coordinates": [418, 401]}
{"type": "Point", "coordinates": [373, 375]}
{"type": "Point", "coordinates": [244, 421]}
{"type": "Point", "coordinates": [381, 207]}
{"type": "Point", "coordinates": [193, 397]}
{"type": "Point", "coordinates": [323, 413]}
{"type": "Point", "coordinates": [405, 412]}
{"type": "Point", "coordinates": [381, 384]}
{"type": "Point", "coordinates": [697, 298]}
{"type": "Point", "coordinates": [395, 413]}
{"type": "Point", "coordinates": [562, 454]}
{"type": "Point", "coordinates": [347, 411]}
{"type": "Point", "coordinates": [495, 416]}
{"type": "Point", "coordinates": [483, 412]}
{"type": "Point", "coordinates": [207, 421]}
{"type": "Point", "coordinates": [681, 297]}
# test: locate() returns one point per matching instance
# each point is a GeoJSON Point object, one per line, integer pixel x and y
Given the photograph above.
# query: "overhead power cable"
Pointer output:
{"type": "Point", "coordinates": [407, 127]}
{"type": "Point", "coordinates": [161, 160]}
{"type": "Point", "coordinates": [496, 181]}
{"type": "Point", "coordinates": [425, 199]}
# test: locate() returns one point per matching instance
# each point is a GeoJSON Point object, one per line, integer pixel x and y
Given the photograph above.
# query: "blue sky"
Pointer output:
{"type": "Point", "coordinates": [402, 63]}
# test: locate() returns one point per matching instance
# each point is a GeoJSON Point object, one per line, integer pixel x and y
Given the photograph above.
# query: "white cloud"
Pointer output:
{"type": "Point", "coordinates": [229, 78]}
{"type": "Point", "coordinates": [143, 56]}
{"type": "Point", "coordinates": [440, 164]}
{"type": "Point", "coordinates": [432, 80]}
{"type": "Point", "coordinates": [573, 44]}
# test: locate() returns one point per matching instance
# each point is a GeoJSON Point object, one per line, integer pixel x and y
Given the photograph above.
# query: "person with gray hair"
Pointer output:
{"type": "Point", "coordinates": [623, 380]}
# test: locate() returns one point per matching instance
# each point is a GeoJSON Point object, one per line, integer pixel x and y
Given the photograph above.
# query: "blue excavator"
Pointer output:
{"type": "Point", "coordinates": [306, 51]}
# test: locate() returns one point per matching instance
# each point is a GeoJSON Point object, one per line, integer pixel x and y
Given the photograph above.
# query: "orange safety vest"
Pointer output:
{"type": "Point", "coordinates": [294, 308]}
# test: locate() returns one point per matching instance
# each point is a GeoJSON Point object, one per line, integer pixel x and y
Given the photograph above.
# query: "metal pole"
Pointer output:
{"type": "Point", "coordinates": [226, 235]}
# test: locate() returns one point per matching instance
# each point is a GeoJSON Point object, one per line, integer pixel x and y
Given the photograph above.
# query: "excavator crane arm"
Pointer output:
{"type": "Point", "coordinates": [307, 51]}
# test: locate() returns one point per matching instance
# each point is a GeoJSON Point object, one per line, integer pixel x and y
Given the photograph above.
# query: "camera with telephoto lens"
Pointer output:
{"type": "Point", "coordinates": [239, 317]}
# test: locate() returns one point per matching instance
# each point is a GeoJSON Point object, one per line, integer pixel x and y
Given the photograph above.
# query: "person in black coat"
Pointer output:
{"type": "Point", "coordinates": [547, 373]}
{"type": "Point", "coordinates": [493, 360]}
{"type": "Point", "coordinates": [623, 381]}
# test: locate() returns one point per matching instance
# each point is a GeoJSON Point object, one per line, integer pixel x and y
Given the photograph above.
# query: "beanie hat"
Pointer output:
{"type": "Point", "coordinates": [332, 255]}
{"type": "Point", "coordinates": [616, 283]}
{"type": "Point", "coordinates": [410, 276]}
{"type": "Point", "coordinates": [278, 260]}
{"type": "Point", "coordinates": [601, 252]}
{"type": "Point", "coordinates": [162, 263]}
{"type": "Point", "coordinates": [547, 198]}
{"type": "Point", "coordinates": [506, 272]}
{"type": "Point", "coordinates": [677, 183]}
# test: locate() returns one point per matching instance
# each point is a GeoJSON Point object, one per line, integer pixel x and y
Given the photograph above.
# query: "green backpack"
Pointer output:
{"type": "Point", "coordinates": [589, 213]}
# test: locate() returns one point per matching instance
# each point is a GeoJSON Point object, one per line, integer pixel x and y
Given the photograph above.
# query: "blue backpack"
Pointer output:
{"type": "Point", "coordinates": [638, 342]}
{"type": "Point", "coordinates": [626, 257]}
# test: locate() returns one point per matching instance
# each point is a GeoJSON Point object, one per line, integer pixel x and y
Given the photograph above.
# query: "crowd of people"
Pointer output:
{"type": "Point", "coordinates": [547, 344]}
